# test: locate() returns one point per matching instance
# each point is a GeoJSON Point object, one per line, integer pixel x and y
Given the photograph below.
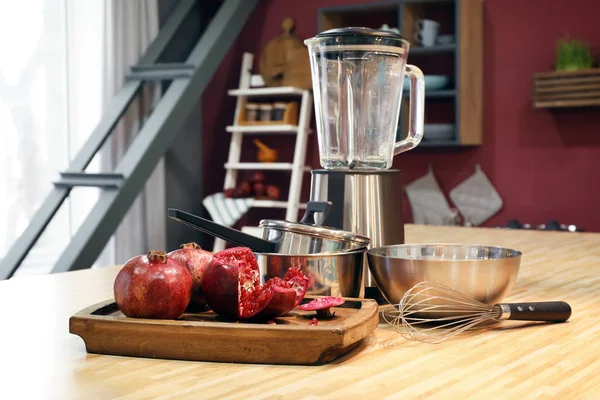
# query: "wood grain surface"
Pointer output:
{"type": "Point", "coordinates": [470, 74]}
{"type": "Point", "coordinates": [39, 358]}
{"type": "Point", "coordinates": [203, 336]}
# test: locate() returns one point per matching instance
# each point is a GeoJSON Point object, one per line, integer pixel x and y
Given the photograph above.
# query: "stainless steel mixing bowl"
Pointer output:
{"type": "Point", "coordinates": [485, 273]}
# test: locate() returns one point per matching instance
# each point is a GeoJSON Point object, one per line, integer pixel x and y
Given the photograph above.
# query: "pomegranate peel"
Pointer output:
{"type": "Point", "coordinates": [195, 259]}
{"type": "Point", "coordinates": [322, 306]}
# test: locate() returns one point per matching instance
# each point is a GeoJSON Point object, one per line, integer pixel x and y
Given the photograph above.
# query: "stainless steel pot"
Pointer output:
{"type": "Point", "coordinates": [332, 259]}
{"type": "Point", "coordinates": [330, 274]}
{"type": "Point", "coordinates": [309, 236]}
{"type": "Point", "coordinates": [304, 237]}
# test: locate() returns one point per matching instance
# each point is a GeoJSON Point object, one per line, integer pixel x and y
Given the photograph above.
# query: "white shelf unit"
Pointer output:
{"type": "Point", "coordinates": [278, 166]}
{"type": "Point", "coordinates": [263, 129]}
{"type": "Point", "coordinates": [297, 166]}
{"type": "Point", "coordinates": [272, 91]}
{"type": "Point", "coordinates": [275, 204]}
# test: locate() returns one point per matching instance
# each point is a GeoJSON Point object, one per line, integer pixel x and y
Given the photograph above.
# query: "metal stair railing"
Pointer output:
{"type": "Point", "coordinates": [121, 187]}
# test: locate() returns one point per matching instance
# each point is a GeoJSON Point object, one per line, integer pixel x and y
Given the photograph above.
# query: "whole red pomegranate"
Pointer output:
{"type": "Point", "coordinates": [153, 286]}
{"type": "Point", "coordinates": [273, 192]}
{"type": "Point", "coordinates": [231, 285]}
{"type": "Point", "coordinates": [259, 189]}
{"type": "Point", "coordinates": [245, 189]}
{"type": "Point", "coordinates": [256, 177]}
{"type": "Point", "coordinates": [195, 259]}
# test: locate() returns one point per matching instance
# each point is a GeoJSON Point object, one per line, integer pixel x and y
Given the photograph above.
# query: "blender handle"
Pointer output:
{"type": "Point", "coordinates": [416, 111]}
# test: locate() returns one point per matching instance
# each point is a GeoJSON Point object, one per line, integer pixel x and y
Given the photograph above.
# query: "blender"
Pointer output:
{"type": "Point", "coordinates": [358, 76]}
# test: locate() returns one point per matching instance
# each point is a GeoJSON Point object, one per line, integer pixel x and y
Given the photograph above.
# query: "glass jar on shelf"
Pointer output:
{"type": "Point", "coordinates": [251, 112]}
{"type": "Point", "coordinates": [264, 112]}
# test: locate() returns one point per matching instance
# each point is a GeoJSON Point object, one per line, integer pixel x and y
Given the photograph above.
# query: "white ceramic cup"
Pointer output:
{"type": "Point", "coordinates": [426, 32]}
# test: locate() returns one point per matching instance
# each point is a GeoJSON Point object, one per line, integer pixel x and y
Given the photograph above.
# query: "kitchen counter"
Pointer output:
{"type": "Point", "coordinates": [39, 358]}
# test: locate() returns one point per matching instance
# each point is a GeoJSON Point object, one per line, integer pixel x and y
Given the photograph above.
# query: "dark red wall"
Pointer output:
{"type": "Point", "coordinates": [544, 164]}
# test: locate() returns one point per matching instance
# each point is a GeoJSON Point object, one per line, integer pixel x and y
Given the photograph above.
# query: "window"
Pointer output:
{"type": "Point", "coordinates": [51, 98]}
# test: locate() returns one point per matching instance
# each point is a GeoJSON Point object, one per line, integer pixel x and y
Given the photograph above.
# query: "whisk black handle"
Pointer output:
{"type": "Point", "coordinates": [550, 311]}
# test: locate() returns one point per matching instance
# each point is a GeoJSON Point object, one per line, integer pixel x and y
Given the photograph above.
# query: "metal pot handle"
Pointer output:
{"type": "Point", "coordinates": [313, 207]}
{"type": "Point", "coordinates": [223, 232]}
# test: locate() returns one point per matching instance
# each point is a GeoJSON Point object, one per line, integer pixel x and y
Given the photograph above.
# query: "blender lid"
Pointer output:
{"type": "Point", "coordinates": [360, 31]}
{"type": "Point", "coordinates": [319, 231]}
{"type": "Point", "coordinates": [358, 36]}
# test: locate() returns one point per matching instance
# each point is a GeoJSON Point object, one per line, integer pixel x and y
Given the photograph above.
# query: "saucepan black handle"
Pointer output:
{"type": "Point", "coordinates": [224, 232]}
{"type": "Point", "coordinates": [313, 207]}
{"type": "Point", "coordinates": [550, 311]}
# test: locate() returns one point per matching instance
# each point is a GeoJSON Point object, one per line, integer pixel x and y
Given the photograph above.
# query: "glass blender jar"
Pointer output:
{"type": "Point", "coordinates": [358, 76]}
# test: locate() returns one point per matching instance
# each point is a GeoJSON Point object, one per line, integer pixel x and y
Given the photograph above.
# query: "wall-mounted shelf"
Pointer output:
{"type": "Point", "coordinates": [435, 93]}
{"type": "Point", "coordinates": [561, 89]}
{"type": "Point", "coordinates": [439, 49]}
{"type": "Point", "coordinates": [439, 143]}
{"type": "Point", "coordinates": [461, 101]}
{"type": "Point", "coordinates": [354, 15]}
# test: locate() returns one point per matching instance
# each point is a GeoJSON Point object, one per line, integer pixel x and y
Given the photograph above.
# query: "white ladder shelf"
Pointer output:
{"type": "Point", "coordinates": [297, 166]}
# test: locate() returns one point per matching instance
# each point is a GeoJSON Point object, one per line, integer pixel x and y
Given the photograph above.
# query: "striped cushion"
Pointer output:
{"type": "Point", "coordinates": [226, 211]}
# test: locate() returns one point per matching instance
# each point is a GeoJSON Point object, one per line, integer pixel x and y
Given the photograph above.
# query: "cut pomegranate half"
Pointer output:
{"type": "Point", "coordinates": [295, 278]}
{"type": "Point", "coordinates": [232, 287]}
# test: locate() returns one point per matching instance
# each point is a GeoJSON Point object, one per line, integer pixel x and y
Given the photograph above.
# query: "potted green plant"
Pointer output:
{"type": "Point", "coordinates": [572, 55]}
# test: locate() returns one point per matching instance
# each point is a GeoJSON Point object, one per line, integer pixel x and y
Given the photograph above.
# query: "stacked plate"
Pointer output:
{"type": "Point", "coordinates": [432, 82]}
{"type": "Point", "coordinates": [435, 132]}
{"type": "Point", "coordinates": [438, 131]}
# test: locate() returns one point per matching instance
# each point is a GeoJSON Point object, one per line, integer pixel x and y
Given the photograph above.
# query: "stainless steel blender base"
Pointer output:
{"type": "Point", "coordinates": [364, 202]}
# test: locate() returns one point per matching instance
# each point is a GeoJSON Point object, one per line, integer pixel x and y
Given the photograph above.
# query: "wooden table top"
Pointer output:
{"type": "Point", "coordinates": [39, 358]}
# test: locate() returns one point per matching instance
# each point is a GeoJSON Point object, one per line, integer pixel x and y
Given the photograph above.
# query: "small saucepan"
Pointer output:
{"type": "Point", "coordinates": [332, 259]}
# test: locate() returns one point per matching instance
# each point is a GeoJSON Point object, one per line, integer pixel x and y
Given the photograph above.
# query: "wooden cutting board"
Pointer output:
{"type": "Point", "coordinates": [275, 56]}
{"type": "Point", "coordinates": [204, 337]}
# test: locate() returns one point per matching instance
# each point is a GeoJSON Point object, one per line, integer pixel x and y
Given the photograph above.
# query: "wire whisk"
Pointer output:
{"type": "Point", "coordinates": [432, 312]}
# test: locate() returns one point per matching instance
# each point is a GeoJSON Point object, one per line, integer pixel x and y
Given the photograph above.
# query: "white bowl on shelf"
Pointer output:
{"type": "Point", "coordinates": [438, 132]}
{"type": "Point", "coordinates": [432, 82]}
{"type": "Point", "coordinates": [445, 39]}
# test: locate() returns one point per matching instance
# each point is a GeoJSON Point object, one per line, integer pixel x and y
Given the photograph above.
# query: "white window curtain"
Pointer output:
{"type": "Point", "coordinates": [60, 63]}
{"type": "Point", "coordinates": [130, 28]}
